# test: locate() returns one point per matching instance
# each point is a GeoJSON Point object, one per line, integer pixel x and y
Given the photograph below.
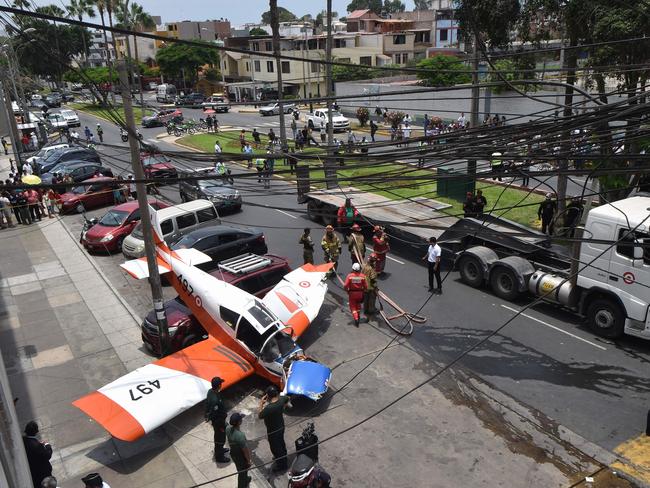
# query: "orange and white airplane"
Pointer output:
{"type": "Point", "coordinates": [246, 335]}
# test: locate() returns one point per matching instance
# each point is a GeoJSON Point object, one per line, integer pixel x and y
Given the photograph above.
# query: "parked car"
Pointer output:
{"type": "Point", "coordinates": [38, 103]}
{"type": "Point", "coordinates": [216, 103]}
{"type": "Point", "coordinates": [165, 93]}
{"type": "Point", "coordinates": [222, 194]}
{"type": "Point", "coordinates": [162, 117]}
{"type": "Point", "coordinates": [255, 274]}
{"type": "Point", "coordinates": [157, 166]}
{"type": "Point", "coordinates": [174, 221]}
{"type": "Point", "coordinates": [78, 171]}
{"type": "Point", "coordinates": [222, 242]}
{"type": "Point", "coordinates": [57, 121]}
{"type": "Point", "coordinates": [339, 122]}
{"type": "Point", "coordinates": [63, 155]}
{"type": "Point", "coordinates": [71, 117]}
{"type": "Point", "coordinates": [193, 100]}
{"type": "Point", "coordinates": [274, 109]}
{"type": "Point", "coordinates": [82, 198]}
{"type": "Point", "coordinates": [109, 232]}
{"type": "Point", "coordinates": [36, 96]}
{"type": "Point", "coordinates": [152, 86]}
{"type": "Point", "coordinates": [53, 100]}
{"type": "Point", "coordinates": [37, 158]}
{"type": "Point", "coordinates": [67, 96]}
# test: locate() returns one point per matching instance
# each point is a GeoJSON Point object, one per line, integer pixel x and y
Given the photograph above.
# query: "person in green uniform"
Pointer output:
{"type": "Point", "coordinates": [215, 412]}
{"type": "Point", "coordinates": [241, 454]}
{"type": "Point", "coordinates": [271, 411]}
{"type": "Point", "coordinates": [370, 295]}
{"type": "Point", "coordinates": [307, 246]}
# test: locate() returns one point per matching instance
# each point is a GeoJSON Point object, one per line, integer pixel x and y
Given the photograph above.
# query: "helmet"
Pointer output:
{"type": "Point", "coordinates": [372, 257]}
{"type": "Point", "coordinates": [356, 267]}
{"type": "Point", "coordinates": [356, 228]}
{"type": "Point", "coordinates": [329, 228]}
{"type": "Point", "coordinates": [376, 228]}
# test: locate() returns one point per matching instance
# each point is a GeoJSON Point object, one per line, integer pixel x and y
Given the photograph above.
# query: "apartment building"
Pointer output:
{"type": "Point", "coordinates": [208, 30]}
{"type": "Point", "coordinates": [98, 50]}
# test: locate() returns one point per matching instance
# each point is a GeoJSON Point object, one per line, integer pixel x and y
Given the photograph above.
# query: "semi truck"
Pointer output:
{"type": "Point", "coordinates": [608, 284]}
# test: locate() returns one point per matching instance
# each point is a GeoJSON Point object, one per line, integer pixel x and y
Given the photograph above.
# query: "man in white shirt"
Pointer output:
{"type": "Point", "coordinates": [27, 168]}
{"type": "Point", "coordinates": [461, 120]}
{"type": "Point", "coordinates": [432, 257]}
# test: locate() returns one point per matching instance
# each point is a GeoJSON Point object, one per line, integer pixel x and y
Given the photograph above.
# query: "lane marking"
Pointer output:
{"type": "Point", "coordinates": [396, 260]}
{"type": "Point", "coordinates": [554, 327]}
{"type": "Point", "coordinates": [285, 213]}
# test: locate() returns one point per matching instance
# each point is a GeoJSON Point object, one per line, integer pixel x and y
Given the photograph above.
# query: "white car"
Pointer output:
{"type": "Point", "coordinates": [36, 96]}
{"type": "Point", "coordinates": [339, 122]}
{"type": "Point", "coordinates": [274, 109]}
{"type": "Point", "coordinates": [71, 118]}
{"type": "Point", "coordinates": [45, 151]}
{"type": "Point", "coordinates": [57, 121]}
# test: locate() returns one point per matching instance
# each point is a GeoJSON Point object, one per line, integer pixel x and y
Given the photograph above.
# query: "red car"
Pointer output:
{"type": "Point", "coordinates": [98, 194]}
{"type": "Point", "coordinates": [184, 330]}
{"type": "Point", "coordinates": [157, 166]}
{"type": "Point", "coordinates": [109, 232]}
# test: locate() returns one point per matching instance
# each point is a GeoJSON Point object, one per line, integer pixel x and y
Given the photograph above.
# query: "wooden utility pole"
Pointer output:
{"type": "Point", "coordinates": [330, 169]}
{"type": "Point", "coordinates": [474, 109]}
{"type": "Point", "coordinates": [275, 28]}
{"type": "Point", "coordinates": [11, 120]}
{"type": "Point", "coordinates": [143, 204]}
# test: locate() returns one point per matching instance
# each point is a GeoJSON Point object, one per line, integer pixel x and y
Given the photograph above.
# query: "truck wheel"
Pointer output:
{"type": "Point", "coordinates": [310, 124]}
{"type": "Point", "coordinates": [80, 208]}
{"type": "Point", "coordinates": [606, 318]}
{"type": "Point", "coordinates": [504, 283]}
{"type": "Point", "coordinates": [314, 212]}
{"type": "Point", "coordinates": [471, 271]}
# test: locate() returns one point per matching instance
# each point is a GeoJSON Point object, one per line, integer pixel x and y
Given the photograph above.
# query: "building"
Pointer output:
{"type": "Point", "coordinates": [207, 30]}
{"type": "Point", "coordinates": [361, 21]}
{"type": "Point", "coordinates": [98, 50]}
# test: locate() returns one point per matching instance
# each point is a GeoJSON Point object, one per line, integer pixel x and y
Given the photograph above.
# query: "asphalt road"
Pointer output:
{"type": "Point", "coordinates": [544, 358]}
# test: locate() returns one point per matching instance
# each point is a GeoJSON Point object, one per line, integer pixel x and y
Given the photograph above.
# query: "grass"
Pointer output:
{"type": "Point", "coordinates": [105, 113]}
{"type": "Point", "coordinates": [524, 205]}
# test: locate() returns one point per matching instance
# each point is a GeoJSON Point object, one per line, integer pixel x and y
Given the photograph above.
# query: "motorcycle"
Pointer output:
{"type": "Point", "coordinates": [88, 223]}
{"type": "Point", "coordinates": [305, 472]}
{"type": "Point", "coordinates": [124, 135]}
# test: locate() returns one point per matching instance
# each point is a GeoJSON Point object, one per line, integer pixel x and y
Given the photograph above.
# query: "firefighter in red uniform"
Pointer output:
{"type": "Point", "coordinates": [380, 248]}
{"type": "Point", "coordinates": [355, 285]}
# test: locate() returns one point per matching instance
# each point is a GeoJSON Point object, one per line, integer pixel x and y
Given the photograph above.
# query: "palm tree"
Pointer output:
{"type": "Point", "coordinates": [79, 8]}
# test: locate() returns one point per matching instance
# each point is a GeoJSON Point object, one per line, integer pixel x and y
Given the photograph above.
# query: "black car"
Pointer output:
{"type": "Point", "coordinates": [162, 117]}
{"type": "Point", "coordinates": [193, 100]}
{"type": "Point", "coordinates": [78, 170]}
{"type": "Point", "coordinates": [215, 188]}
{"type": "Point", "coordinates": [55, 158]}
{"type": "Point", "coordinates": [222, 242]}
{"type": "Point", "coordinates": [53, 100]}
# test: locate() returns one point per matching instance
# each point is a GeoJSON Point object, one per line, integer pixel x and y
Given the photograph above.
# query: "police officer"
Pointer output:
{"type": "Point", "coordinates": [331, 247]}
{"type": "Point", "coordinates": [215, 412]}
{"type": "Point", "coordinates": [355, 285]}
{"type": "Point", "coordinates": [260, 164]}
{"type": "Point", "coordinates": [271, 411]}
{"type": "Point", "coordinates": [370, 296]}
{"type": "Point", "coordinates": [307, 246]}
{"type": "Point", "coordinates": [356, 244]}
{"type": "Point", "coordinates": [241, 454]}
{"type": "Point", "coordinates": [546, 212]}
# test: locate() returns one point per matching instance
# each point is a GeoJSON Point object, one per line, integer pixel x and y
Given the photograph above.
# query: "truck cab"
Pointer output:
{"type": "Point", "coordinates": [615, 282]}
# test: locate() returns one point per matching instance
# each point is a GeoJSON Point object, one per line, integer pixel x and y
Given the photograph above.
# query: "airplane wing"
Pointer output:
{"type": "Point", "coordinates": [296, 300]}
{"type": "Point", "coordinates": [146, 398]}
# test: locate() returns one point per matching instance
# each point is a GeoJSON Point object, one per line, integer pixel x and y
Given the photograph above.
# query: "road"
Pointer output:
{"type": "Point", "coordinates": [544, 358]}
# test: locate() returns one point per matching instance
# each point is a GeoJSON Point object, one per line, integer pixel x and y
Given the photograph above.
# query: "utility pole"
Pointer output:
{"type": "Point", "coordinates": [474, 109]}
{"type": "Point", "coordinates": [275, 27]}
{"type": "Point", "coordinates": [143, 204]}
{"type": "Point", "coordinates": [11, 120]}
{"type": "Point", "coordinates": [330, 170]}
{"type": "Point", "coordinates": [570, 63]}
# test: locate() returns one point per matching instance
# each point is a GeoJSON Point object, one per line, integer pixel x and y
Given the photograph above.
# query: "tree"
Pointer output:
{"type": "Point", "coordinates": [492, 21]}
{"type": "Point", "coordinates": [350, 73]}
{"type": "Point", "coordinates": [79, 9]}
{"type": "Point", "coordinates": [284, 15]}
{"type": "Point", "coordinates": [372, 5]}
{"type": "Point", "coordinates": [363, 115]}
{"type": "Point", "coordinates": [258, 31]}
{"type": "Point", "coordinates": [518, 68]}
{"type": "Point", "coordinates": [442, 70]}
{"type": "Point", "coordinates": [423, 4]}
{"type": "Point", "coordinates": [175, 59]}
{"type": "Point", "coordinates": [393, 7]}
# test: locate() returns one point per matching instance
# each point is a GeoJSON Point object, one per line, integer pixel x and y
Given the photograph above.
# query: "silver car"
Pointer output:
{"type": "Point", "coordinates": [274, 109]}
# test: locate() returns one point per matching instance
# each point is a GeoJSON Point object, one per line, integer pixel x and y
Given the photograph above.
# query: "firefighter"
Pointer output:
{"type": "Point", "coordinates": [331, 247]}
{"type": "Point", "coordinates": [370, 296]}
{"type": "Point", "coordinates": [357, 243]}
{"type": "Point", "coordinates": [380, 248]}
{"type": "Point", "coordinates": [355, 285]}
{"type": "Point", "coordinates": [307, 246]}
{"type": "Point", "coordinates": [345, 218]}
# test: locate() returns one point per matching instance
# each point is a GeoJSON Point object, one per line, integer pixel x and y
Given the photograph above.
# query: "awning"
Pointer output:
{"type": "Point", "coordinates": [233, 55]}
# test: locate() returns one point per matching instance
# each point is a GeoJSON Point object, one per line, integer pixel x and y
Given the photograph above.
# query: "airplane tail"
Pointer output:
{"type": "Point", "coordinates": [138, 268]}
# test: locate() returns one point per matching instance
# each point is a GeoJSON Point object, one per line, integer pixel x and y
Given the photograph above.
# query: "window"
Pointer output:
{"type": "Point", "coordinates": [248, 67]}
{"type": "Point", "coordinates": [365, 60]}
{"type": "Point", "coordinates": [626, 245]}
{"type": "Point", "coordinates": [423, 36]}
{"type": "Point", "coordinates": [184, 221]}
{"type": "Point", "coordinates": [167, 227]}
{"type": "Point", "coordinates": [444, 34]}
{"type": "Point", "coordinates": [269, 66]}
{"type": "Point", "coordinates": [256, 46]}
{"type": "Point", "coordinates": [339, 43]}
{"type": "Point", "coordinates": [315, 67]}
{"type": "Point", "coordinates": [399, 39]}
{"type": "Point", "coordinates": [257, 66]}
{"type": "Point", "coordinates": [405, 57]}
{"type": "Point", "coordinates": [229, 317]}
{"type": "Point", "coordinates": [268, 46]}
{"type": "Point", "coordinates": [398, 58]}
{"type": "Point", "coordinates": [286, 67]}
{"type": "Point", "coordinates": [249, 336]}
{"type": "Point", "coordinates": [207, 214]}
{"type": "Point", "coordinates": [207, 243]}
{"type": "Point", "coordinates": [227, 238]}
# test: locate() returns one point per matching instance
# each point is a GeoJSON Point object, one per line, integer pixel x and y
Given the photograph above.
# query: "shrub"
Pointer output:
{"type": "Point", "coordinates": [363, 115]}
{"type": "Point", "coordinates": [395, 118]}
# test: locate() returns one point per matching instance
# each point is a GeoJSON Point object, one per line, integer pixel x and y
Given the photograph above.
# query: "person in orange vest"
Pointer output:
{"type": "Point", "coordinates": [345, 218]}
{"type": "Point", "coordinates": [355, 285]}
{"type": "Point", "coordinates": [380, 248]}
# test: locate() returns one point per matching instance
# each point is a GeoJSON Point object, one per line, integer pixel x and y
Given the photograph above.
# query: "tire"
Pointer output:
{"type": "Point", "coordinates": [313, 212]}
{"type": "Point", "coordinates": [605, 318]}
{"type": "Point", "coordinates": [118, 244]}
{"type": "Point", "coordinates": [177, 132]}
{"type": "Point", "coordinates": [310, 124]}
{"type": "Point", "coordinates": [471, 271]}
{"type": "Point", "coordinates": [80, 208]}
{"type": "Point", "coordinates": [504, 283]}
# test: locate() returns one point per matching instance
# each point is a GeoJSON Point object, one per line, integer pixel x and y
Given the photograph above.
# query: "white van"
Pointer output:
{"type": "Point", "coordinates": [165, 93]}
{"type": "Point", "coordinates": [174, 221]}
